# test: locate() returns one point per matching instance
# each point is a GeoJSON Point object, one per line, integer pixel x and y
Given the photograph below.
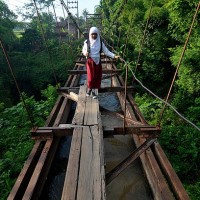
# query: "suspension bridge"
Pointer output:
{"type": "Point", "coordinates": [87, 174]}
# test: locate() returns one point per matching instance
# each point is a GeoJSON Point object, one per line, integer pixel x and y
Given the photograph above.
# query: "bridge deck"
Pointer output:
{"type": "Point", "coordinates": [85, 171]}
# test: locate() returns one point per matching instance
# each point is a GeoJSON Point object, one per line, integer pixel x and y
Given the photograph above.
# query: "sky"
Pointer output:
{"type": "Point", "coordinates": [82, 4]}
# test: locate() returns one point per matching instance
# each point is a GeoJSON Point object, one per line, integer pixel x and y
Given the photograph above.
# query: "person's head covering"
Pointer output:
{"type": "Point", "coordinates": [95, 45]}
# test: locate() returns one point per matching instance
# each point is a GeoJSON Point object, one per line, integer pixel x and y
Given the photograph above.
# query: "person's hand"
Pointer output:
{"type": "Point", "coordinates": [117, 57]}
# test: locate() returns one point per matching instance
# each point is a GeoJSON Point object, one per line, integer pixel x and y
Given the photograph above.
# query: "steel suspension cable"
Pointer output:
{"type": "Point", "coordinates": [46, 46]}
{"type": "Point", "coordinates": [63, 11]}
{"type": "Point", "coordinates": [16, 84]}
{"type": "Point", "coordinates": [142, 42]}
{"type": "Point", "coordinates": [64, 51]}
{"type": "Point", "coordinates": [125, 94]}
{"type": "Point", "coordinates": [179, 63]}
{"type": "Point", "coordinates": [70, 15]}
{"type": "Point", "coordinates": [188, 121]}
{"type": "Point", "coordinates": [135, 78]}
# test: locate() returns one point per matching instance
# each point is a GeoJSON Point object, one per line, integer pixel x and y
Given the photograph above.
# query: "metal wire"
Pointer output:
{"type": "Point", "coordinates": [46, 46]}
{"type": "Point", "coordinates": [17, 85]}
{"type": "Point", "coordinates": [179, 63]}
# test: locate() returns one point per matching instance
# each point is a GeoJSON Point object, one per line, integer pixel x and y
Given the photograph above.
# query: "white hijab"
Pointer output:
{"type": "Point", "coordinates": [95, 45]}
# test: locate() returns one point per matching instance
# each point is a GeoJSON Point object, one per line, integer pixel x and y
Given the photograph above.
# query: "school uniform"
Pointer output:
{"type": "Point", "coordinates": [93, 64]}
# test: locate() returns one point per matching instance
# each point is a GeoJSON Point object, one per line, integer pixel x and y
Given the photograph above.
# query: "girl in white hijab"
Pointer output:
{"type": "Point", "coordinates": [93, 64]}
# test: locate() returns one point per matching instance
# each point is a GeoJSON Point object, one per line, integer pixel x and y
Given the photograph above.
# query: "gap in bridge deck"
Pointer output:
{"type": "Point", "coordinates": [54, 184]}
{"type": "Point", "coordinates": [131, 183]}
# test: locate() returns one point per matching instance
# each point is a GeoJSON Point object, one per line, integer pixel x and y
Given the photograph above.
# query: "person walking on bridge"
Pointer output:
{"type": "Point", "coordinates": [92, 50]}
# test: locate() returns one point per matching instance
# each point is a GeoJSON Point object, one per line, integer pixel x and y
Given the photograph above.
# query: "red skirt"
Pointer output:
{"type": "Point", "coordinates": [94, 74]}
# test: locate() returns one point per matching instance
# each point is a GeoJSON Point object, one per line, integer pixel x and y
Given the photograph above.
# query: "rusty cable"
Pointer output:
{"type": "Point", "coordinates": [17, 85]}
{"type": "Point", "coordinates": [46, 46]}
{"type": "Point", "coordinates": [125, 94]}
{"type": "Point", "coordinates": [179, 63]}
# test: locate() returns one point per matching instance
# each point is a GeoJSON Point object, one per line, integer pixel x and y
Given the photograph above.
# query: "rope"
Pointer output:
{"type": "Point", "coordinates": [179, 63]}
{"type": "Point", "coordinates": [17, 85]}
{"type": "Point", "coordinates": [47, 49]}
{"type": "Point", "coordinates": [142, 42]}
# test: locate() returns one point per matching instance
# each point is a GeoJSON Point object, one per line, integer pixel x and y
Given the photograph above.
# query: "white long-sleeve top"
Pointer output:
{"type": "Point", "coordinates": [95, 55]}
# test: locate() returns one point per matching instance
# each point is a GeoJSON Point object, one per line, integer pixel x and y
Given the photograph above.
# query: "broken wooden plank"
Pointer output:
{"type": "Point", "coordinates": [73, 96]}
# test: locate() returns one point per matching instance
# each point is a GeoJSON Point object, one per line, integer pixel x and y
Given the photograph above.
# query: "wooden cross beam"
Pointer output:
{"type": "Point", "coordinates": [105, 71]}
{"type": "Point", "coordinates": [101, 90]}
{"type": "Point", "coordinates": [67, 129]}
{"type": "Point", "coordinates": [48, 132]}
{"type": "Point", "coordinates": [138, 130]}
{"type": "Point", "coordinates": [126, 162]}
{"type": "Point", "coordinates": [102, 62]}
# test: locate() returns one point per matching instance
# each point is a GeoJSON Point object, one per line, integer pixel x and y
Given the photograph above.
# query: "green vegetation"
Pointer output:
{"type": "Point", "coordinates": [123, 26]}
{"type": "Point", "coordinates": [169, 23]}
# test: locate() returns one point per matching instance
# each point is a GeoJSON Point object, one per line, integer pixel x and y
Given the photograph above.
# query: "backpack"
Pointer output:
{"type": "Point", "coordinates": [88, 45]}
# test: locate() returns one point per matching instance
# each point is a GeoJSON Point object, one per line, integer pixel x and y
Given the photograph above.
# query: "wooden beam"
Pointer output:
{"type": "Point", "coordinates": [138, 130]}
{"type": "Point", "coordinates": [105, 71]}
{"type": "Point", "coordinates": [25, 175]}
{"type": "Point", "coordinates": [170, 174]}
{"type": "Point", "coordinates": [101, 90]}
{"type": "Point", "coordinates": [49, 132]}
{"type": "Point", "coordinates": [102, 62]}
{"type": "Point", "coordinates": [126, 162]}
{"type": "Point", "coordinates": [73, 96]}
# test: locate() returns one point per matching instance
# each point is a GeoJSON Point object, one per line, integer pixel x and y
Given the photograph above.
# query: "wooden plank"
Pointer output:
{"type": "Point", "coordinates": [73, 96]}
{"type": "Point", "coordinates": [91, 110]}
{"type": "Point", "coordinates": [164, 190]}
{"type": "Point", "coordinates": [103, 62]}
{"type": "Point", "coordinates": [171, 175]}
{"type": "Point", "coordinates": [101, 90]}
{"type": "Point", "coordinates": [85, 181]}
{"type": "Point", "coordinates": [80, 109]}
{"type": "Point", "coordinates": [101, 155]}
{"type": "Point", "coordinates": [72, 173]}
{"type": "Point", "coordinates": [25, 175]}
{"type": "Point", "coordinates": [34, 179]}
{"type": "Point", "coordinates": [104, 71]}
{"type": "Point", "coordinates": [98, 165]}
{"type": "Point", "coordinates": [49, 132]}
{"type": "Point", "coordinates": [145, 132]}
